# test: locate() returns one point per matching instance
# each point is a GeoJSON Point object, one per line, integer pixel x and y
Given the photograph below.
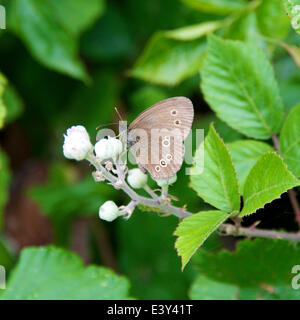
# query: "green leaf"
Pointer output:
{"type": "Point", "coordinates": [172, 56]}
{"type": "Point", "coordinates": [205, 288]}
{"type": "Point", "coordinates": [194, 230]}
{"type": "Point", "coordinates": [239, 84]}
{"type": "Point", "coordinates": [267, 180]}
{"type": "Point", "coordinates": [53, 273]}
{"type": "Point", "coordinates": [255, 265]}
{"type": "Point", "coordinates": [216, 6]}
{"type": "Point", "coordinates": [244, 154]}
{"type": "Point", "coordinates": [49, 30]}
{"type": "Point", "coordinates": [4, 183]}
{"type": "Point", "coordinates": [217, 184]}
{"type": "Point", "coordinates": [290, 140]}
{"type": "Point", "coordinates": [292, 8]}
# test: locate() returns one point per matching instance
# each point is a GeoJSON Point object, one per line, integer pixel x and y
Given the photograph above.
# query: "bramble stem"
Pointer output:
{"type": "Point", "coordinates": [295, 204]}
{"type": "Point", "coordinates": [157, 202]}
{"type": "Point", "coordinates": [230, 229]}
{"type": "Point", "coordinates": [120, 183]}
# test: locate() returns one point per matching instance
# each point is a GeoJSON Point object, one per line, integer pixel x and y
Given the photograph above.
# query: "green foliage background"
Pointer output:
{"type": "Point", "coordinates": [68, 62]}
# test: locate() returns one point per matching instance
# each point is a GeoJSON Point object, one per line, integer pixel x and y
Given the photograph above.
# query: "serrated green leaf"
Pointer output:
{"type": "Point", "coordinates": [216, 6]}
{"type": "Point", "coordinates": [54, 273]}
{"type": "Point", "coordinates": [267, 180]}
{"type": "Point", "coordinates": [194, 230]}
{"type": "Point", "coordinates": [239, 84]}
{"type": "Point", "coordinates": [261, 268]}
{"type": "Point", "coordinates": [205, 288]}
{"type": "Point", "coordinates": [289, 141]}
{"type": "Point", "coordinates": [217, 184]}
{"type": "Point", "coordinates": [244, 154]}
{"type": "Point", "coordinates": [292, 8]}
{"type": "Point", "coordinates": [4, 183]}
{"type": "Point", "coordinates": [50, 32]}
{"type": "Point", "coordinates": [171, 56]}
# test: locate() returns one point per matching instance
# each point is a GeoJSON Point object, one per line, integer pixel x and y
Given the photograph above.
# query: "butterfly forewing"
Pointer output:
{"type": "Point", "coordinates": [158, 135]}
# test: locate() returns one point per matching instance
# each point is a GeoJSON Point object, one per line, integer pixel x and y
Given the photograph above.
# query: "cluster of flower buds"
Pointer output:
{"type": "Point", "coordinates": [77, 146]}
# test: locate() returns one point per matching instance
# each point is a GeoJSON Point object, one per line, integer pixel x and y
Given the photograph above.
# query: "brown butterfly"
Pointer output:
{"type": "Point", "coordinates": [156, 136]}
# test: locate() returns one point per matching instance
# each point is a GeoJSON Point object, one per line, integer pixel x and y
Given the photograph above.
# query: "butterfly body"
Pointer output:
{"type": "Point", "coordinates": [156, 136]}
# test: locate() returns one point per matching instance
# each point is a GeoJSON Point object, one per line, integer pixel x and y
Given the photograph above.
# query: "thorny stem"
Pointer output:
{"type": "Point", "coordinates": [166, 207]}
{"type": "Point", "coordinates": [150, 202]}
{"type": "Point", "coordinates": [291, 192]}
{"type": "Point", "coordinates": [230, 229]}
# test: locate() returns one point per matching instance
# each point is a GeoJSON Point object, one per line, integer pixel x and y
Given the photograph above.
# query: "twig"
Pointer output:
{"type": "Point", "coordinates": [230, 229]}
{"type": "Point", "coordinates": [163, 207]}
{"type": "Point", "coordinates": [295, 204]}
{"type": "Point", "coordinates": [275, 142]}
{"type": "Point", "coordinates": [152, 193]}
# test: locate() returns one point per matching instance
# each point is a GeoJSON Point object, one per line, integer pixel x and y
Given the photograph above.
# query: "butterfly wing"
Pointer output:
{"type": "Point", "coordinates": [161, 130]}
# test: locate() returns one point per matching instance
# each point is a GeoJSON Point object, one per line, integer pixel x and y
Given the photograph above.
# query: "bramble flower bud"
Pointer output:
{"type": "Point", "coordinates": [108, 148]}
{"type": "Point", "coordinates": [136, 178]}
{"type": "Point", "coordinates": [164, 182]}
{"type": "Point", "coordinates": [109, 211]}
{"type": "Point", "coordinates": [77, 143]}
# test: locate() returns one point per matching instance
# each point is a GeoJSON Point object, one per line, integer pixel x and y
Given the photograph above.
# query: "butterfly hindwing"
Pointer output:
{"type": "Point", "coordinates": [158, 134]}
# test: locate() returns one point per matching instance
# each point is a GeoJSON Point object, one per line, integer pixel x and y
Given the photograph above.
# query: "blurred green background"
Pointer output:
{"type": "Point", "coordinates": [71, 62]}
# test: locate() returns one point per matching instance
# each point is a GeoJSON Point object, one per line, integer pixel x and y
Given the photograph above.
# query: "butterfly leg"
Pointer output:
{"type": "Point", "coordinates": [144, 170]}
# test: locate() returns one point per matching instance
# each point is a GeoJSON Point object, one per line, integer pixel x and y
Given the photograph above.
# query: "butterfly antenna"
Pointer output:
{"type": "Point", "coordinates": [106, 124]}
{"type": "Point", "coordinates": [118, 113]}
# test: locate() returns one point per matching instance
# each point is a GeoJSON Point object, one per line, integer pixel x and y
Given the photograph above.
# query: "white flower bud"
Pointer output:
{"type": "Point", "coordinates": [77, 143]}
{"type": "Point", "coordinates": [108, 148]}
{"type": "Point", "coordinates": [164, 182]}
{"type": "Point", "coordinates": [136, 178]}
{"type": "Point", "coordinates": [109, 211]}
